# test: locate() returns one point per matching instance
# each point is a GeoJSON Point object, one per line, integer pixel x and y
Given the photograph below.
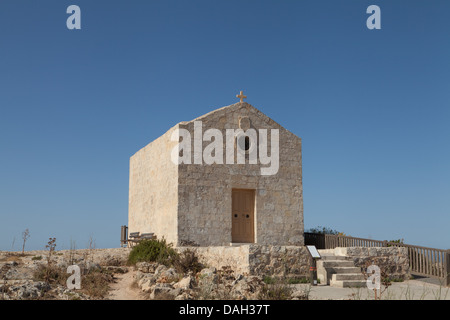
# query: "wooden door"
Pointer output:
{"type": "Point", "coordinates": [242, 216]}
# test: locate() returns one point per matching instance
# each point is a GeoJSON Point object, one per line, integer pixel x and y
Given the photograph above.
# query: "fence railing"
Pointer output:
{"type": "Point", "coordinates": [424, 261]}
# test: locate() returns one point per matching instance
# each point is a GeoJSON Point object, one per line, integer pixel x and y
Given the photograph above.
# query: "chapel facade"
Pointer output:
{"type": "Point", "coordinates": [184, 188]}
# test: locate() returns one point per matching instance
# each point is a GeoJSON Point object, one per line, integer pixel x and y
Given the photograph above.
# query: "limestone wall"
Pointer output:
{"type": "Point", "coordinates": [289, 261]}
{"type": "Point", "coordinates": [294, 261]}
{"type": "Point", "coordinates": [221, 256]}
{"type": "Point", "coordinates": [153, 190]}
{"type": "Point", "coordinates": [205, 191]}
{"type": "Point", "coordinates": [190, 204]}
{"type": "Point", "coordinates": [392, 260]}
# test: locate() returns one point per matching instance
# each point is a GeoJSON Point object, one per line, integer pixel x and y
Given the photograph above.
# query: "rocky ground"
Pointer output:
{"type": "Point", "coordinates": [105, 275]}
{"type": "Point", "coordinates": [25, 276]}
{"type": "Point", "coordinates": [161, 282]}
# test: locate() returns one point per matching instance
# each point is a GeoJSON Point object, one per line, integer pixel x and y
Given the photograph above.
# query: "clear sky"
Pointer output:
{"type": "Point", "coordinates": [371, 106]}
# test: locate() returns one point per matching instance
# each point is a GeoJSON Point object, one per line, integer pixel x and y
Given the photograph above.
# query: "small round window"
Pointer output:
{"type": "Point", "coordinates": [247, 143]}
{"type": "Point", "coordinates": [244, 143]}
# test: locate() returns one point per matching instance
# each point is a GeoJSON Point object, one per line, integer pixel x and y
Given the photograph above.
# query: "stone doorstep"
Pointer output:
{"type": "Point", "coordinates": [238, 244]}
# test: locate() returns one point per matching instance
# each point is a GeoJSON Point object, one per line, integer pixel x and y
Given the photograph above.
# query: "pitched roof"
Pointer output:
{"type": "Point", "coordinates": [235, 107]}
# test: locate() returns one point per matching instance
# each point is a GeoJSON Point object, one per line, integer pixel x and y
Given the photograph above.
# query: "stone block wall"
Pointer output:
{"type": "Point", "coordinates": [220, 256]}
{"type": "Point", "coordinates": [279, 261]}
{"type": "Point", "coordinates": [190, 204]}
{"type": "Point", "coordinates": [205, 191]}
{"type": "Point", "coordinates": [294, 261]}
{"type": "Point", "coordinates": [261, 260]}
{"type": "Point", "coordinates": [153, 190]}
{"type": "Point", "coordinates": [392, 260]}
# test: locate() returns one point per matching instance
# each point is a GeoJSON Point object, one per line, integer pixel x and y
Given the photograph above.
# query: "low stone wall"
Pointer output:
{"type": "Point", "coordinates": [289, 261]}
{"type": "Point", "coordinates": [277, 261]}
{"type": "Point", "coordinates": [218, 257]}
{"type": "Point", "coordinates": [294, 261]}
{"type": "Point", "coordinates": [392, 260]}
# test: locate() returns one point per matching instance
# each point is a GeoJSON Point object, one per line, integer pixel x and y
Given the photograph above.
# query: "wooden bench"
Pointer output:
{"type": "Point", "coordinates": [147, 236]}
{"type": "Point", "coordinates": [135, 237]}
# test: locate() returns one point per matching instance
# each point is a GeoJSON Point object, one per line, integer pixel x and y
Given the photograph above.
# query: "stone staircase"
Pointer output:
{"type": "Point", "coordinates": [339, 271]}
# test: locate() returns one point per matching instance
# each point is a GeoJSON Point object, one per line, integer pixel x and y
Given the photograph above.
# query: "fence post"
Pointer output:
{"type": "Point", "coordinates": [123, 236]}
{"type": "Point", "coordinates": [447, 269]}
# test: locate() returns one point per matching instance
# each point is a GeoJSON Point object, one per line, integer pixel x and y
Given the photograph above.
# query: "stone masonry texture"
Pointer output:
{"type": "Point", "coordinates": [391, 260]}
{"type": "Point", "coordinates": [261, 260]}
{"type": "Point", "coordinates": [190, 204]}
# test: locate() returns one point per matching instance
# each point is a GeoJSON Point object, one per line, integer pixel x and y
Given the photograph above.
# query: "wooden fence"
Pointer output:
{"type": "Point", "coordinates": [424, 261]}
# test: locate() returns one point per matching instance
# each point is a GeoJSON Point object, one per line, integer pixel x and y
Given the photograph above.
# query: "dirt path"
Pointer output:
{"type": "Point", "coordinates": [122, 289]}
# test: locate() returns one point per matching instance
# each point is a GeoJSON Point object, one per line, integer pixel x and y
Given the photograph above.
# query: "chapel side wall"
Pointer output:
{"type": "Point", "coordinates": [205, 190]}
{"type": "Point", "coordinates": [153, 190]}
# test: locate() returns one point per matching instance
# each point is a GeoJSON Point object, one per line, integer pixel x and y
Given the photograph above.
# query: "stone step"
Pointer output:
{"type": "Point", "coordinates": [334, 258]}
{"type": "Point", "coordinates": [343, 270]}
{"type": "Point", "coordinates": [339, 271]}
{"type": "Point", "coordinates": [347, 276]}
{"type": "Point", "coordinates": [337, 263]}
{"type": "Point", "coordinates": [348, 283]}
{"type": "Point", "coordinates": [326, 251]}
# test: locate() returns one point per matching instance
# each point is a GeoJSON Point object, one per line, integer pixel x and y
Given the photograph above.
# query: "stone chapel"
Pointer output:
{"type": "Point", "coordinates": [194, 200]}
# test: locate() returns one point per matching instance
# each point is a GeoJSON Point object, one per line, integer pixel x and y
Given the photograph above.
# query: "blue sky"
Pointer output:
{"type": "Point", "coordinates": [371, 107]}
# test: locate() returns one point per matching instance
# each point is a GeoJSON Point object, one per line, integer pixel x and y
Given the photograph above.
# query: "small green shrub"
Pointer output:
{"type": "Point", "coordinates": [324, 230]}
{"type": "Point", "coordinates": [152, 251]}
{"type": "Point", "coordinates": [37, 258]}
{"type": "Point", "coordinates": [399, 241]}
{"type": "Point", "coordinates": [268, 280]}
{"type": "Point", "coordinates": [298, 280]}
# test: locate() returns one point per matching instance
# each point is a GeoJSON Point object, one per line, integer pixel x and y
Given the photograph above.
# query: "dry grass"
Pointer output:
{"type": "Point", "coordinates": [96, 284]}
{"type": "Point", "coordinates": [9, 258]}
{"type": "Point", "coordinates": [187, 261]}
{"type": "Point", "coordinates": [278, 290]}
{"type": "Point", "coordinates": [51, 274]}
